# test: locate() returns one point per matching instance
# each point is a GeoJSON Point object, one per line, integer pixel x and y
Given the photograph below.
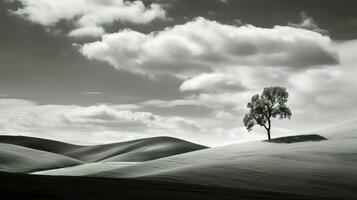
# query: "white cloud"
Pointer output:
{"type": "Point", "coordinates": [10, 107]}
{"type": "Point", "coordinates": [91, 31]}
{"type": "Point", "coordinates": [213, 82]}
{"type": "Point", "coordinates": [238, 79]}
{"type": "Point", "coordinates": [334, 100]}
{"type": "Point", "coordinates": [126, 106]}
{"type": "Point", "coordinates": [233, 100]}
{"type": "Point", "coordinates": [88, 15]}
{"type": "Point", "coordinates": [318, 96]}
{"type": "Point", "coordinates": [79, 123]}
{"type": "Point", "coordinates": [91, 93]}
{"type": "Point", "coordinates": [223, 115]}
{"type": "Point", "coordinates": [226, 100]}
{"type": "Point", "coordinates": [316, 79]}
{"type": "Point", "coordinates": [172, 103]}
{"type": "Point", "coordinates": [100, 115]}
{"type": "Point", "coordinates": [309, 23]}
{"type": "Point", "coordinates": [225, 65]}
{"type": "Point", "coordinates": [202, 46]}
{"type": "Point", "coordinates": [9, 102]}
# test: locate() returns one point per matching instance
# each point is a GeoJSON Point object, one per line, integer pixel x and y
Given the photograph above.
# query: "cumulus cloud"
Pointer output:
{"type": "Point", "coordinates": [100, 115]}
{"type": "Point", "coordinates": [88, 15]}
{"type": "Point", "coordinates": [202, 46]}
{"type": "Point", "coordinates": [318, 96]}
{"type": "Point", "coordinates": [90, 31]}
{"type": "Point", "coordinates": [213, 82]}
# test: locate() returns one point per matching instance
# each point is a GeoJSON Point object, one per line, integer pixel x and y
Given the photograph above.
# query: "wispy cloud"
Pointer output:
{"type": "Point", "coordinates": [307, 22]}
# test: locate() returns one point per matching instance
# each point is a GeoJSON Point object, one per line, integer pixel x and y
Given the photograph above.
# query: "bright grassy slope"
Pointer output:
{"type": "Point", "coordinates": [15, 158]}
{"type": "Point", "coordinates": [135, 151]}
{"type": "Point", "coordinates": [324, 168]}
{"type": "Point", "coordinates": [86, 169]}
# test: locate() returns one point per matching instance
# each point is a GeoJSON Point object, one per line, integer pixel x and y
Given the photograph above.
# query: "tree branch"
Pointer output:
{"type": "Point", "coordinates": [265, 126]}
{"type": "Point", "coordinates": [259, 123]}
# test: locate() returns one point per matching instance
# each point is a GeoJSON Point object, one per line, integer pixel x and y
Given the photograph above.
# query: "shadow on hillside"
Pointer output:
{"type": "Point", "coordinates": [297, 138]}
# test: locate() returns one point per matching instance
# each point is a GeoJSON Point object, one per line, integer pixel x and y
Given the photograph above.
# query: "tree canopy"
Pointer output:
{"type": "Point", "coordinates": [271, 103]}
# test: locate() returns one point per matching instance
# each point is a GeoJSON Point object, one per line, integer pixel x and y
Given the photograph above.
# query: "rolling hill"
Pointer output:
{"type": "Point", "coordinates": [15, 158]}
{"type": "Point", "coordinates": [130, 151]}
{"type": "Point", "coordinates": [134, 151]}
{"type": "Point", "coordinates": [325, 168]}
{"type": "Point", "coordinates": [320, 165]}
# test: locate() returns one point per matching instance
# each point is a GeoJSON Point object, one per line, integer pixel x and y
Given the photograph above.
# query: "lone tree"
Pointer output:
{"type": "Point", "coordinates": [270, 104]}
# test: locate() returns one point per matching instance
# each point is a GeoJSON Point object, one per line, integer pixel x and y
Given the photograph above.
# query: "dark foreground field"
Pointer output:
{"type": "Point", "coordinates": [23, 186]}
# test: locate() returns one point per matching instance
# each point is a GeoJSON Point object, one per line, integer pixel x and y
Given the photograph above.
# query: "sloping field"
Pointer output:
{"type": "Point", "coordinates": [322, 168]}
{"type": "Point", "coordinates": [15, 158]}
{"type": "Point", "coordinates": [86, 169]}
{"type": "Point", "coordinates": [131, 151]}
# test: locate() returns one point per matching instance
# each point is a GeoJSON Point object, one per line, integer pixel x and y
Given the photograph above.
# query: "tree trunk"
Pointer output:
{"type": "Point", "coordinates": [268, 129]}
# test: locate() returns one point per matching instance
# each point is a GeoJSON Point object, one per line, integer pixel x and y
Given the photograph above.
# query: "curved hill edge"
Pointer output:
{"type": "Point", "coordinates": [128, 151]}
{"type": "Point", "coordinates": [15, 158]}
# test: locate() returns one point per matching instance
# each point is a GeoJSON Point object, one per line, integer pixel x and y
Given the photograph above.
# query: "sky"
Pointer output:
{"type": "Point", "coordinates": [99, 71]}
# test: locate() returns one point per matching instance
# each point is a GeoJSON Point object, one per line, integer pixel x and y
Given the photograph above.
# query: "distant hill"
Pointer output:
{"type": "Point", "coordinates": [39, 143]}
{"type": "Point", "coordinates": [130, 151]}
{"type": "Point", "coordinates": [14, 158]}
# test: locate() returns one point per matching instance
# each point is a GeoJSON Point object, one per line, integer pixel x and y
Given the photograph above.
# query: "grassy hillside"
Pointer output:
{"type": "Point", "coordinates": [39, 143]}
{"type": "Point", "coordinates": [135, 150]}
{"type": "Point", "coordinates": [130, 151]}
{"type": "Point", "coordinates": [15, 158]}
{"type": "Point", "coordinates": [320, 166]}
{"type": "Point", "coordinates": [324, 168]}
{"type": "Point", "coordinates": [86, 169]}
